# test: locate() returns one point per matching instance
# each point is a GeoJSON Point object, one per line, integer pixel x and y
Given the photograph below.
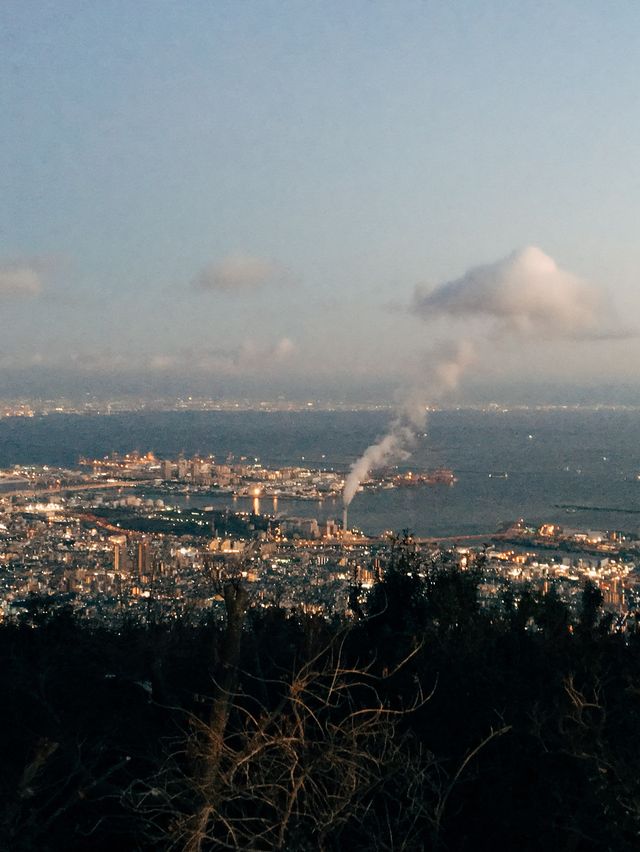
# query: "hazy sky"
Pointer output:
{"type": "Point", "coordinates": [236, 194]}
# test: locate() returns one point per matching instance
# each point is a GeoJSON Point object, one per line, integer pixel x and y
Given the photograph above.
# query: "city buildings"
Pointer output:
{"type": "Point", "coordinates": [97, 542]}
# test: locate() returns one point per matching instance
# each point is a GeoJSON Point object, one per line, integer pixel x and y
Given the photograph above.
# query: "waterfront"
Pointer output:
{"type": "Point", "coordinates": [562, 466]}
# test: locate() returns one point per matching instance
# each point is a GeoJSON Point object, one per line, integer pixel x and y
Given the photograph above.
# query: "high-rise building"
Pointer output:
{"type": "Point", "coordinates": [120, 556]}
{"type": "Point", "coordinates": [143, 557]}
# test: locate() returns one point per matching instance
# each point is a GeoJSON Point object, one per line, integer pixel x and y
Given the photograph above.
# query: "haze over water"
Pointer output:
{"type": "Point", "coordinates": [553, 459]}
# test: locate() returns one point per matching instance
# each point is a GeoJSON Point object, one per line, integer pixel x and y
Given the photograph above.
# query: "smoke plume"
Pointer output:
{"type": "Point", "coordinates": [525, 293]}
{"type": "Point", "coordinates": [441, 374]}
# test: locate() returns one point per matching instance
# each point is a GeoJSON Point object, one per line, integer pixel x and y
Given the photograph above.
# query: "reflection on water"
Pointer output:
{"type": "Point", "coordinates": [476, 504]}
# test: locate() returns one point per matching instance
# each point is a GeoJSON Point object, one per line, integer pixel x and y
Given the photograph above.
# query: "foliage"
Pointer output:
{"type": "Point", "coordinates": [424, 723]}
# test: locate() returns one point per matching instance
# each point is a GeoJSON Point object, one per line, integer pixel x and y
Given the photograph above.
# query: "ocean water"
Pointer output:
{"type": "Point", "coordinates": [586, 460]}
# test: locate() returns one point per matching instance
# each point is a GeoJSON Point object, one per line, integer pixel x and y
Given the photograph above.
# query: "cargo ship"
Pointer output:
{"type": "Point", "coordinates": [439, 476]}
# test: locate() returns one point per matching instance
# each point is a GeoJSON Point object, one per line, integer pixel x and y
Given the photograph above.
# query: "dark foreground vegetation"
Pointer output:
{"type": "Point", "coordinates": [425, 722]}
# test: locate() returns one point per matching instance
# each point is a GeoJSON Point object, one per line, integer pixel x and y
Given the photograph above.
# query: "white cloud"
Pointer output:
{"type": "Point", "coordinates": [239, 273]}
{"type": "Point", "coordinates": [248, 357]}
{"type": "Point", "coordinates": [526, 291]}
{"type": "Point", "coordinates": [21, 362]}
{"type": "Point", "coordinates": [19, 281]}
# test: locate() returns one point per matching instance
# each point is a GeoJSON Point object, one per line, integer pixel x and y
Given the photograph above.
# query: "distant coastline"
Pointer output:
{"type": "Point", "coordinates": [38, 407]}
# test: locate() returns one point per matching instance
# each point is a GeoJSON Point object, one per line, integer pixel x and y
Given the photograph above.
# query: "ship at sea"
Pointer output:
{"type": "Point", "coordinates": [439, 476]}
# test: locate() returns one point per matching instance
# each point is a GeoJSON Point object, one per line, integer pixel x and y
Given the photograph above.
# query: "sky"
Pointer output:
{"type": "Point", "coordinates": [245, 197]}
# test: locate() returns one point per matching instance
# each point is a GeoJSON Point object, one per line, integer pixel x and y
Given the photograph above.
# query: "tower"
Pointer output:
{"type": "Point", "coordinates": [143, 557]}
{"type": "Point", "coordinates": [120, 557]}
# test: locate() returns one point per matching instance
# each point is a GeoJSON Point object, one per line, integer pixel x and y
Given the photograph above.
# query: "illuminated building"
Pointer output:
{"type": "Point", "coordinates": [120, 556]}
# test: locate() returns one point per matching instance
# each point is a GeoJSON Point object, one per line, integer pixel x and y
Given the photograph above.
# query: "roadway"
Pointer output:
{"type": "Point", "coordinates": [63, 489]}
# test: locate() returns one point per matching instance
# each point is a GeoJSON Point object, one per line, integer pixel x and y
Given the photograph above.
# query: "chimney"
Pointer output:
{"type": "Point", "coordinates": [344, 520]}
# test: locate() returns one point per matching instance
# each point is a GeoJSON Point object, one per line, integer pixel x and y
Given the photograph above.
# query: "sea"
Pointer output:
{"type": "Point", "coordinates": [579, 468]}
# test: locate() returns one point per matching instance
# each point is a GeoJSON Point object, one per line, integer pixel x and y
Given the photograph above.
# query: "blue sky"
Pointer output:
{"type": "Point", "coordinates": [251, 191]}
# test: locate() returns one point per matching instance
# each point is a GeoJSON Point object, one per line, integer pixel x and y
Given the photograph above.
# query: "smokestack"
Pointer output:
{"type": "Point", "coordinates": [344, 520]}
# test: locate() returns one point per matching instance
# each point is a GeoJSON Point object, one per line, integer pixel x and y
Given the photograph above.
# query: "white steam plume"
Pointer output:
{"type": "Point", "coordinates": [443, 375]}
{"type": "Point", "coordinates": [526, 293]}
{"type": "Point", "coordinates": [394, 447]}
